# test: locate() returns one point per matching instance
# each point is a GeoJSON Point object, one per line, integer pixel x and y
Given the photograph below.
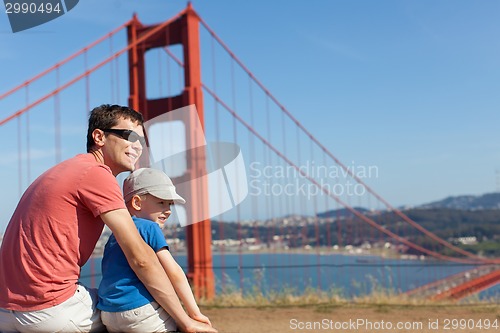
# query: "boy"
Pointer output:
{"type": "Point", "coordinates": [125, 303]}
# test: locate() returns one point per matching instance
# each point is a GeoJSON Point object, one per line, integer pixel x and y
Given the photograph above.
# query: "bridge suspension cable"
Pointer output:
{"type": "Point", "coordinates": [473, 257]}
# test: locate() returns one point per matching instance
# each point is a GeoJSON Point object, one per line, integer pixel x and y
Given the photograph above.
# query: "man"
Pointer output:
{"type": "Point", "coordinates": [56, 225]}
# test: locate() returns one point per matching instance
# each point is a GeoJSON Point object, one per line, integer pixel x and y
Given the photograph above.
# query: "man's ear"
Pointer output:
{"type": "Point", "coordinates": [136, 202]}
{"type": "Point", "coordinates": [99, 137]}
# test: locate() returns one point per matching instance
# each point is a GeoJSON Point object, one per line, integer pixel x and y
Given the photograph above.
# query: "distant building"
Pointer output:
{"type": "Point", "coordinates": [469, 240]}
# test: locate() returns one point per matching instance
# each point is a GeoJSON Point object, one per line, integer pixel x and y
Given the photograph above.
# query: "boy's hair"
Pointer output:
{"type": "Point", "coordinates": [106, 116]}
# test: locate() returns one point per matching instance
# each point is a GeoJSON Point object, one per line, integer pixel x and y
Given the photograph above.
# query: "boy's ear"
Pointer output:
{"type": "Point", "coordinates": [136, 202]}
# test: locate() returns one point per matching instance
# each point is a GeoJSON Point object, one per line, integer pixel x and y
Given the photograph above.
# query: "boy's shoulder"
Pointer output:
{"type": "Point", "coordinates": [142, 222]}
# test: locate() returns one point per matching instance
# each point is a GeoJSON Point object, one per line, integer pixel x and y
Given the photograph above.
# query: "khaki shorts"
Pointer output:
{"type": "Point", "coordinates": [148, 318]}
{"type": "Point", "coordinates": [77, 314]}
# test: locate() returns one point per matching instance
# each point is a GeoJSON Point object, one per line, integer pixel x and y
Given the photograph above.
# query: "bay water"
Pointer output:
{"type": "Point", "coordinates": [347, 275]}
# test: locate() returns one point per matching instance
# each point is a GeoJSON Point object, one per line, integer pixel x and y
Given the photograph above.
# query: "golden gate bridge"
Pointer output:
{"type": "Point", "coordinates": [163, 59]}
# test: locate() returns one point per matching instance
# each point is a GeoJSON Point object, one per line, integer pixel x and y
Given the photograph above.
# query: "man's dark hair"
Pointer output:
{"type": "Point", "coordinates": [106, 116]}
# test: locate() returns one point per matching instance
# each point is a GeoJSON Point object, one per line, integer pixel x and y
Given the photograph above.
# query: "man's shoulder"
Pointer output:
{"type": "Point", "coordinates": [87, 160]}
{"type": "Point", "coordinates": [83, 163]}
{"type": "Point", "coordinates": [74, 170]}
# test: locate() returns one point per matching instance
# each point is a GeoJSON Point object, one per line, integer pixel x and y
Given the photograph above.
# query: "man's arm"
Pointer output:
{"type": "Point", "coordinates": [142, 259]}
{"type": "Point", "coordinates": [181, 285]}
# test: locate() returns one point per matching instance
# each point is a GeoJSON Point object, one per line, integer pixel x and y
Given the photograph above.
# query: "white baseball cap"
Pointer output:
{"type": "Point", "coordinates": [150, 181]}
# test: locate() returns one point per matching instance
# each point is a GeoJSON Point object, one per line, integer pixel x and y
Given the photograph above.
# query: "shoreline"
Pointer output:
{"type": "Point", "coordinates": [375, 255]}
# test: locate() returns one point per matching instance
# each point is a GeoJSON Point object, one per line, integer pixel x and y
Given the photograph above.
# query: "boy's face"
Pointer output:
{"type": "Point", "coordinates": [154, 209]}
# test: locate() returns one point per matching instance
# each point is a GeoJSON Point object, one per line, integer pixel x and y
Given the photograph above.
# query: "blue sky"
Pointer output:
{"type": "Point", "coordinates": [411, 87]}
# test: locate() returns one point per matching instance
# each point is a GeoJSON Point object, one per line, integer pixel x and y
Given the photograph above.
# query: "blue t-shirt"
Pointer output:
{"type": "Point", "coordinates": [120, 289]}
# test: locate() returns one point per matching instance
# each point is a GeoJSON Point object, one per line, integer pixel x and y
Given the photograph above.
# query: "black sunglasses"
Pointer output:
{"type": "Point", "coordinates": [128, 135]}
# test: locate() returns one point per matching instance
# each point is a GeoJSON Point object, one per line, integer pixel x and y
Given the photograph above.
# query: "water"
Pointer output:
{"type": "Point", "coordinates": [349, 275]}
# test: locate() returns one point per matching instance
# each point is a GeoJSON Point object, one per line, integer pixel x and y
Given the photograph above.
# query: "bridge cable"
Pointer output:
{"type": "Point", "coordinates": [346, 169]}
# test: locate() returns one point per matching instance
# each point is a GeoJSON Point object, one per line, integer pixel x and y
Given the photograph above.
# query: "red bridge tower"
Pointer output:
{"type": "Point", "coordinates": [183, 30]}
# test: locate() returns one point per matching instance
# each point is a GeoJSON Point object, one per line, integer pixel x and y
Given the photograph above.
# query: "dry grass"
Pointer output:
{"type": "Point", "coordinates": [289, 297]}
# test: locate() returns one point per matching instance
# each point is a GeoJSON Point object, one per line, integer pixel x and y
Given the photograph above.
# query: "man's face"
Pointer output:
{"type": "Point", "coordinates": [120, 154]}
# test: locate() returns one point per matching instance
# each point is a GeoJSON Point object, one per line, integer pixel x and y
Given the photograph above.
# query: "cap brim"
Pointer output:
{"type": "Point", "coordinates": [168, 195]}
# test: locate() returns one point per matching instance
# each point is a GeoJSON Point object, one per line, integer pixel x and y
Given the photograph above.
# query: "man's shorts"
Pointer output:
{"type": "Point", "coordinates": [77, 314]}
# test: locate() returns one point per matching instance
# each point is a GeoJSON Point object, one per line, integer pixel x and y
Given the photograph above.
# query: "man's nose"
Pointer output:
{"type": "Point", "coordinates": [137, 146]}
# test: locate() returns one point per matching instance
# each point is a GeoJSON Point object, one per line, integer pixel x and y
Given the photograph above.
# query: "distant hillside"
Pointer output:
{"type": "Point", "coordinates": [447, 223]}
{"type": "Point", "coordinates": [342, 212]}
{"type": "Point", "coordinates": [467, 202]}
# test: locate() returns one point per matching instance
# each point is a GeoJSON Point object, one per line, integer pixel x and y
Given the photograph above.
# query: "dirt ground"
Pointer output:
{"type": "Point", "coordinates": [358, 318]}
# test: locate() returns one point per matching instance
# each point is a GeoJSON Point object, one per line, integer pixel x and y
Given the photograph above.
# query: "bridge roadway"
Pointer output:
{"type": "Point", "coordinates": [459, 285]}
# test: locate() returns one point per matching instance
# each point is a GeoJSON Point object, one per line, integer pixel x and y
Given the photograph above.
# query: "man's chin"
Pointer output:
{"type": "Point", "coordinates": [128, 168]}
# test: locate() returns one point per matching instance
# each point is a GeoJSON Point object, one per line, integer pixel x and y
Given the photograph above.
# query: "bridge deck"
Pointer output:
{"type": "Point", "coordinates": [460, 285]}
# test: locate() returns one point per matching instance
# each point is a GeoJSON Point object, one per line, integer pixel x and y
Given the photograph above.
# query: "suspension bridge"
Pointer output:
{"type": "Point", "coordinates": [289, 170]}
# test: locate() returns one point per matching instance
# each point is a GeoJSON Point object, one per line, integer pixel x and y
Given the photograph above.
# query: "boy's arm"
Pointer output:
{"type": "Point", "coordinates": [144, 262]}
{"type": "Point", "coordinates": [181, 285]}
